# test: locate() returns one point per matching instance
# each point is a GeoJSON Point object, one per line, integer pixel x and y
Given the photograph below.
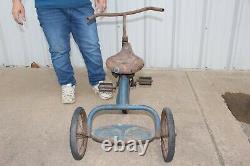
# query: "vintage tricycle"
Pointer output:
{"type": "Point", "coordinates": [123, 66]}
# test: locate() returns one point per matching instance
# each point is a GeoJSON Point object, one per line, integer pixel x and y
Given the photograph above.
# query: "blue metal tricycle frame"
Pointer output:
{"type": "Point", "coordinates": [122, 103]}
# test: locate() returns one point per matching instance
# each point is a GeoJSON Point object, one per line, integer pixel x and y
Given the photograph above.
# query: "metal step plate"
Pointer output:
{"type": "Point", "coordinates": [123, 132]}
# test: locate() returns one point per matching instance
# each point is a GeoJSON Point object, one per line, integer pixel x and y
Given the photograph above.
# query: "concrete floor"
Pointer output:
{"type": "Point", "coordinates": [35, 125]}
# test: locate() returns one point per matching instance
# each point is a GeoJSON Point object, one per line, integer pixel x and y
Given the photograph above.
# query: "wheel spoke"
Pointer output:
{"type": "Point", "coordinates": [81, 136]}
{"type": "Point", "coordinates": [80, 123]}
{"type": "Point", "coordinates": [82, 145]}
{"type": "Point", "coordinates": [164, 136]}
{"type": "Point", "coordinates": [164, 142]}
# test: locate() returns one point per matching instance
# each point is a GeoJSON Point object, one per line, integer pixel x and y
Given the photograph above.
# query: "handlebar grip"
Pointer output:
{"type": "Point", "coordinates": [125, 13]}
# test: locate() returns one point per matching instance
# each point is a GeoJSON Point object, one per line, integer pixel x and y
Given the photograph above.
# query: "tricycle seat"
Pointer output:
{"type": "Point", "coordinates": [125, 62]}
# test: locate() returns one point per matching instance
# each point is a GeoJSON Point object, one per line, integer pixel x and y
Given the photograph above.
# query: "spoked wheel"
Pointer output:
{"type": "Point", "coordinates": [78, 133]}
{"type": "Point", "coordinates": [167, 135]}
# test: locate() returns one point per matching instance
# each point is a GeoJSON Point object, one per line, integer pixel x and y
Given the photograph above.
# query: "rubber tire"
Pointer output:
{"type": "Point", "coordinates": [169, 154]}
{"type": "Point", "coordinates": [73, 131]}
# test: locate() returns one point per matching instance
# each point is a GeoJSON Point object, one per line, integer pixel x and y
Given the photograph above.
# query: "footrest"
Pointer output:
{"type": "Point", "coordinates": [145, 81]}
{"type": "Point", "coordinates": [106, 87]}
{"type": "Point", "coordinates": [123, 132]}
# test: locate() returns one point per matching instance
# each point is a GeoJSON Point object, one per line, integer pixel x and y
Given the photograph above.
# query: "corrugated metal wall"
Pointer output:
{"type": "Point", "coordinates": [191, 34]}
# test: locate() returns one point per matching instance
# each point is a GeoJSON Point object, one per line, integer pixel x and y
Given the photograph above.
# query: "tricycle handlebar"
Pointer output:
{"type": "Point", "coordinates": [125, 13]}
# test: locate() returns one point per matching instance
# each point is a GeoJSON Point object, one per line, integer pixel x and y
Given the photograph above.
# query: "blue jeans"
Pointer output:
{"type": "Point", "coordinates": [57, 24]}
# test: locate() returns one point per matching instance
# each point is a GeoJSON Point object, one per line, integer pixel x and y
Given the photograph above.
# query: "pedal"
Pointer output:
{"type": "Point", "coordinates": [106, 87]}
{"type": "Point", "coordinates": [145, 81]}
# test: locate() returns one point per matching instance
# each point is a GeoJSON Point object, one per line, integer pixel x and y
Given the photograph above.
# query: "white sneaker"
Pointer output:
{"type": "Point", "coordinates": [68, 94]}
{"type": "Point", "coordinates": [102, 95]}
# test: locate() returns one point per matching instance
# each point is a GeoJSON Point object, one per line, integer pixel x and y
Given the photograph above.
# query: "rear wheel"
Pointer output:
{"type": "Point", "coordinates": [78, 134]}
{"type": "Point", "coordinates": [167, 135]}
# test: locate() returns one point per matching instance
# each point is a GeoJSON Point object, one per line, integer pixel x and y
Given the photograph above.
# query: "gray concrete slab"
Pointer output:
{"type": "Point", "coordinates": [35, 125]}
{"type": "Point", "coordinates": [231, 143]}
{"type": "Point", "coordinates": [234, 82]}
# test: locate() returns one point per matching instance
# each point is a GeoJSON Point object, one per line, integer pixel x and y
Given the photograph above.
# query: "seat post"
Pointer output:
{"type": "Point", "coordinates": [124, 35]}
{"type": "Point", "coordinates": [123, 91]}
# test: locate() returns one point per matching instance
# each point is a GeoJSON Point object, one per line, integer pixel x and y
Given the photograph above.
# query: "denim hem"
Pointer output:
{"type": "Point", "coordinates": [95, 81]}
{"type": "Point", "coordinates": [70, 82]}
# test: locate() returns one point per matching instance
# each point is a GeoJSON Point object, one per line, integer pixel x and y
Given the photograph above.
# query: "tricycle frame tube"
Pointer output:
{"type": "Point", "coordinates": [123, 91]}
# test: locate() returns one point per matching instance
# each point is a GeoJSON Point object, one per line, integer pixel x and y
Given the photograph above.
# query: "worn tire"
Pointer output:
{"type": "Point", "coordinates": [167, 135]}
{"type": "Point", "coordinates": [78, 133]}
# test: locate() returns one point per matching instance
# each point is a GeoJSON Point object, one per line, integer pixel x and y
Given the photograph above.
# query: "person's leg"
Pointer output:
{"type": "Point", "coordinates": [86, 37]}
{"type": "Point", "coordinates": [56, 26]}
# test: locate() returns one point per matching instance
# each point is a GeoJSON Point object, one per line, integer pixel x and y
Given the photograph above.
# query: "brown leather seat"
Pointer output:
{"type": "Point", "coordinates": [125, 62]}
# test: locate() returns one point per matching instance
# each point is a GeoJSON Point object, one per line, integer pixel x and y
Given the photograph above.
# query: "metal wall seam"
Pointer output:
{"type": "Point", "coordinates": [236, 35]}
{"type": "Point", "coordinates": [235, 27]}
{"type": "Point", "coordinates": [203, 32]}
{"type": "Point", "coordinates": [4, 57]}
{"type": "Point", "coordinates": [173, 34]}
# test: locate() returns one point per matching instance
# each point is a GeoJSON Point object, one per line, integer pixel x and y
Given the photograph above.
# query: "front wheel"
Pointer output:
{"type": "Point", "coordinates": [78, 134]}
{"type": "Point", "coordinates": [167, 135]}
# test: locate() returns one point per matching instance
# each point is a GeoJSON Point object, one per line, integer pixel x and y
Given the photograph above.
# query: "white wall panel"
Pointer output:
{"type": "Point", "coordinates": [241, 52]}
{"type": "Point", "coordinates": [218, 29]}
{"type": "Point", "coordinates": [160, 34]}
{"type": "Point", "coordinates": [190, 34]}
